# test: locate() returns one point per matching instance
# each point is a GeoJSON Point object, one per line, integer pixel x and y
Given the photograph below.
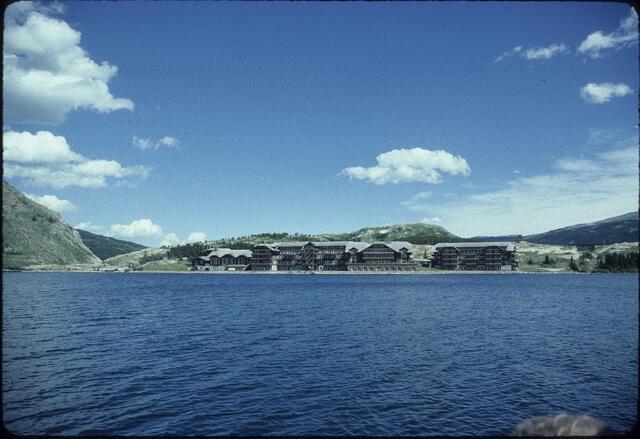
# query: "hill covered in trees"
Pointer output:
{"type": "Point", "coordinates": [105, 247]}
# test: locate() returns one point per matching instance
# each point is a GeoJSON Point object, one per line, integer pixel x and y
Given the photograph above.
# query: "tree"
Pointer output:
{"type": "Point", "coordinates": [572, 265]}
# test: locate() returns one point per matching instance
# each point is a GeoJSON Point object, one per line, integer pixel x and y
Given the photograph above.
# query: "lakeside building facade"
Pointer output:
{"type": "Point", "coordinates": [333, 256]}
{"type": "Point", "coordinates": [489, 256]}
{"type": "Point", "coordinates": [220, 259]}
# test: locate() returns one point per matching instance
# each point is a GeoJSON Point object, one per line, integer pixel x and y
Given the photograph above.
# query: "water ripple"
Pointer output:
{"type": "Point", "coordinates": [336, 355]}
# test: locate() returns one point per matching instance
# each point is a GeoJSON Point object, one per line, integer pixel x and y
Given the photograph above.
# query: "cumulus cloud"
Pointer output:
{"type": "Point", "coordinates": [142, 144]}
{"type": "Point", "coordinates": [89, 227]}
{"type": "Point", "coordinates": [46, 72]}
{"type": "Point", "coordinates": [172, 239]}
{"type": "Point", "coordinates": [410, 165]}
{"type": "Point", "coordinates": [42, 147]}
{"type": "Point", "coordinates": [535, 53]}
{"type": "Point", "coordinates": [604, 92]}
{"type": "Point", "coordinates": [577, 190]}
{"type": "Point", "coordinates": [54, 203]}
{"type": "Point", "coordinates": [434, 219]}
{"type": "Point", "coordinates": [598, 43]}
{"type": "Point", "coordinates": [168, 141]}
{"type": "Point", "coordinates": [43, 159]}
{"type": "Point", "coordinates": [137, 229]}
{"type": "Point", "coordinates": [146, 144]}
{"type": "Point", "coordinates": [196, 237]}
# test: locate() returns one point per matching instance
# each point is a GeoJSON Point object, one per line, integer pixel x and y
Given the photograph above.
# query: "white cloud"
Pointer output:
{"type": "Point", "coordinates": [89, 227]}
{"type": "Point", "coordinates": [170, 239]}
{"type": "Point", "coordinates": [598, 43]}
{"type": "Point", "coordinates": [196, 237]}
{"type": "Point", "coordinates": [604, 92]}
{"type": "Point", "coordinates": [546, 52]}
{"type": "Point", "coordinates": [43, 159]}
{"type": "Point", "coordinates": [168, 141]}
{"type": "Point", "coordinates": [138, 228]}
{"type": "Point", "coordinates": [579, 190]}
{"type": "Point", "coordinates": [42, 147]}
{"type": "Point", "coordinates": [407, 165]}
{"type": "Point", "coordinates": [46, 71]}
{"type": "Point", "coordinates": [142, 143]}
{"type": "Point", "coordinates": [54, 203]}
{"type": "Point", "coordinates": [146, 144]}
{"type": "Point", "coordinates": [508, 53]}
{"type": "Point", "coordinates": [431, 220]}
{"type": "Point", "coordinates": [535, 53]}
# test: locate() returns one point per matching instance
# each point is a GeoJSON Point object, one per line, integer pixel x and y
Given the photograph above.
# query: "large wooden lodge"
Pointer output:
{"type": "Point", "coordinates": [312, 256]}
{"type": "Point", "coordinates": [357, 256]}
{"type": "Point", "coordinates": [485, 256]}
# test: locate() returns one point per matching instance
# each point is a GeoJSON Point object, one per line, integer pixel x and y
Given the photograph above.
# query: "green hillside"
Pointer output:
{"type": "Point", "coordinates": [105, 247]}
{"type": "Point", "coordinates": [35, 235]}
{"type": "Point", "coordinates": [414, 233]}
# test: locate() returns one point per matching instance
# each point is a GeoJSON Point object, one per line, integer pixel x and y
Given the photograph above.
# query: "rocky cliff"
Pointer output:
{"type": "Point", "coordinates": [35, 235]}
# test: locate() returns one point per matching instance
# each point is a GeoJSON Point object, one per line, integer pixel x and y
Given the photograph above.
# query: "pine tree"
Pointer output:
{"type": "Point", "coordinates": [572, 265]}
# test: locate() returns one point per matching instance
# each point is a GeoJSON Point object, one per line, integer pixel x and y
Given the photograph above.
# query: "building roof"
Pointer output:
{"type": "Point", "coordinates": [397, 245]}
{"type": "Point", "coordinates": [358, 245]}
{"type": "Point", "coordinates": [509, 246]}
{"type": "Point", "coordinates": [220, 252]}
{"type": "Point", "coordinates": [269, 246]}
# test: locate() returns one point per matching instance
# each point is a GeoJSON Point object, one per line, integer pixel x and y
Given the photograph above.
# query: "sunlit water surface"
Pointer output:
{"type": "Point", "coordinates": [152, 354]}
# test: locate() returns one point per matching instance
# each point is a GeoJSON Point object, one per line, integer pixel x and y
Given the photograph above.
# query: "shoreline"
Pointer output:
{"type": "Point", "coordinates": [313, 273]}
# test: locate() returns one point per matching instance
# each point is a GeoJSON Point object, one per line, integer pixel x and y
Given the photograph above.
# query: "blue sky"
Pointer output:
{"type": "Point", "coordinates": [162, 122]}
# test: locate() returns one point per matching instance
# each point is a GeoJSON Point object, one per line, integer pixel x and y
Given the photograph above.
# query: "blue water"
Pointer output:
{"type": "Point", "coordinates": [202, 354]}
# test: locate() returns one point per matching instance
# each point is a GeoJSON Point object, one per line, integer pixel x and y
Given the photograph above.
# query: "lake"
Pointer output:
{"type": "Point", "coordinates": [206, 354]}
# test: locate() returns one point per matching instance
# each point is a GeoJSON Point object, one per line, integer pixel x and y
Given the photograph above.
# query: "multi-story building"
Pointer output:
{"type": "Point", "coordinates": [333, 256]}
{"type": "Point", "coordinates": [220, 259]}
{"type": "Point", "coordinates": [491, 256]}
{"type": "Point", "coordinates": [264, 257]}
{"type": "Point", "coordinates": [381, 256]}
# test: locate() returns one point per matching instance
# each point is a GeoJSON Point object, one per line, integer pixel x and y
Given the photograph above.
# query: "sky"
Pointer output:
{"type": "Point", "coordinates": [170, 122]}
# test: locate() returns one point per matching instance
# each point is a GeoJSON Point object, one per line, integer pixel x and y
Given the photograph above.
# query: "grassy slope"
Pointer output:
{"type": "Point", "coordinates": [135, 258]}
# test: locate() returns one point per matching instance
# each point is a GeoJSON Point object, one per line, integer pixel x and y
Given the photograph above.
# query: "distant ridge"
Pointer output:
{"type": "Point", "coordinates": [621, 228]}
{"type": "Point", "coordinates": [32, 234]}
{"type": "Point", "coordinates": [105, 247]}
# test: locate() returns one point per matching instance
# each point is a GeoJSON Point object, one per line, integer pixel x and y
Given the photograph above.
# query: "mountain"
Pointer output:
{"type": "Point", "coordinates": [105, 247]}
{"type": "Point", "coordinates": [35, 235]}
{"type": "Point", "coordinates": [501, 238]}
{"type": "Point", "coordinates": [623, 228]}
{"type": "Point", "coordinates": [414, 233]}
